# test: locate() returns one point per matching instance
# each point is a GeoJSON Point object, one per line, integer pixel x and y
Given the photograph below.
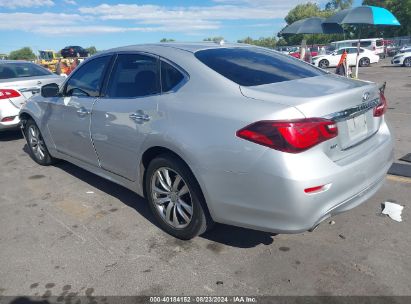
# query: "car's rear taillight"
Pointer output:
{"type": "Point", "coordinates": [291, 136]}
{"type": "Point", "coordinates": [8, 118]}
{"type": "Point", "coordinates": [382, 106]}
{"type": "Point", "coordinates": [9, 93]}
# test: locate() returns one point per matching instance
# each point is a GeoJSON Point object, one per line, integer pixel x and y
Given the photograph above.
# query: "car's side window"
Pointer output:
{"type": "Point", "coordinates": [134, 75]}
{"type": "Point", "coordinates": [170, 77]}
{"type": "Point", "coordinates": [88, 79]}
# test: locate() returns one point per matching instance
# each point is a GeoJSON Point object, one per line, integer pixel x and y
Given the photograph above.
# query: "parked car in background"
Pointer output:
{"type": "Point", "coordinates": [297, 54]}
{"type": "Point", "coordinates": [20, 80]}
{"type": "Point", "coordinates": [235, 134]}
{"type": "Point", "coordinates": [376, 45]}
{"type": "Point", "coordinates": [283, 49]}
{"type": "Point", "coordinates": [74, 51]}
{"type": "Point", "coordinates": [404, 48]}
{"type": "Point", "coordinates": [402, 58]}
{"type": "Point", "coordinates": [391, 49]}
{"type": "Point", "coordinates": [366, 58]}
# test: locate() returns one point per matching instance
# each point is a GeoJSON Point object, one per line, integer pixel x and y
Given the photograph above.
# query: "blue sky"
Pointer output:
{"type": "Point", "coordinates": [53, 24]}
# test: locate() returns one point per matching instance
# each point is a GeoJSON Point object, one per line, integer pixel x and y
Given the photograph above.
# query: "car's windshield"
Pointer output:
{"type": "Point", "coordinates": [21, 69]}
{"type": "Point", "coordinates": [255, 66]}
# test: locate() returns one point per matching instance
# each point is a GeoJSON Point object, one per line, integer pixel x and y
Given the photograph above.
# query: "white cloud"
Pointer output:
{"type": "Point", "coordinates": [30, 21]}
{"type": "Point", "coordinates": [72, 2]}
{"type": "Point", "coordinates": [97, 29]}
{"type": "Point", "coordinates": [68, 24]}
{"type": "Point", "coordinates": [25, 3]}
{"type": "Point", "coordinates": [106, 18]}
{"type": "Point", "coordinates": [155, 12]}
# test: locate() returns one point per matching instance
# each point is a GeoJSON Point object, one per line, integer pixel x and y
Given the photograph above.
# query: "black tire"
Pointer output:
{"type": "Point", "coordinates": [364, 62]}
{"type": "Point", "coordinates": [407, 62]}
{"type": "Point", "coordinates": [200, 219]}
{"type": "Point", "coordinates": [44, 158]}
{"type": "Point", "coordinates": [324, 63]}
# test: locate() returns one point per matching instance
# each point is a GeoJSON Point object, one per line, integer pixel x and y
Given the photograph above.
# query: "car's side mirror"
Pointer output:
{"type": "Point", "coordinates": [50, 90]}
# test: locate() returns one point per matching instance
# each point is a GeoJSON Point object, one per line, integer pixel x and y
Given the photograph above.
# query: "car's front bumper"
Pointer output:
{"type": "Point", "coordinates": [271, 197]}
{"type": "Point", "coordinates": [396, 61]}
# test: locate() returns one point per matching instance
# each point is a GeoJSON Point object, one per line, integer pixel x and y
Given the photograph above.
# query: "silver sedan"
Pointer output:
{"type": "Point", "coordinates": [209, 133]}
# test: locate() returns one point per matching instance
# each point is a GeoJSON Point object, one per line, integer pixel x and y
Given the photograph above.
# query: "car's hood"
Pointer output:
{"type": "Point", "coordinates": [319, 57]}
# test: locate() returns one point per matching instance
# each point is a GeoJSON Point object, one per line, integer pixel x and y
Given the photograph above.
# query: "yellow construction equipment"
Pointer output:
{"type": "Point", "coordinates": [48, 59]}
{"type": "Point", "coordinates": [56, 64]}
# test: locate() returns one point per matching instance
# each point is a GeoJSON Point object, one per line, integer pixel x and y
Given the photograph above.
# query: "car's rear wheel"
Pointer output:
{"type": "Point", "coordinates": [324, 64]}
{"type": "Point", "coordinates": [37, 146]}
{"type": "Point", "coordinates": [364, 62]}
{"type": "Point", "coordinates": [175, 198]}
{"type": "Point", "coordinates": [407, 62]}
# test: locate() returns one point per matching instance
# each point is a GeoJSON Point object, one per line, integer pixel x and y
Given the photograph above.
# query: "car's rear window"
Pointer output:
{"type": "Point", "coordinates": [21, 69]}
{"type": "Point", "coordinates": [254, 66]}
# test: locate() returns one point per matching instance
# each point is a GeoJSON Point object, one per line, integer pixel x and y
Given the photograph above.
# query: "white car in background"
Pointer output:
{"type": "Point", "coordinates": [375, 45]}
{"type": "Point", "coordinates": [19, 80]}
{"type": "Point", "coordinates": [402, 58]}
{"type": "Point", "coordinates": [331, 60]}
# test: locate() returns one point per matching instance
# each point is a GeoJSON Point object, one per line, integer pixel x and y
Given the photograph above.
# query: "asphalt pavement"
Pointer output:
{"type": "Point", "coordinates": [66, 231]}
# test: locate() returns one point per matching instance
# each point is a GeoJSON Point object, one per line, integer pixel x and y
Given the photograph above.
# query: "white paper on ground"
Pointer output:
{"type": "Point", "coordinates": [393, 211]}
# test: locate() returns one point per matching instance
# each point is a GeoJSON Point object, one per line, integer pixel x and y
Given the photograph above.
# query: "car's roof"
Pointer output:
{"type": "Point", "coordinates": [14, 61]}
{"type": "Point", "coordinates": [354, 40]}
{"type": "Point", "coordinates": [191, 47]}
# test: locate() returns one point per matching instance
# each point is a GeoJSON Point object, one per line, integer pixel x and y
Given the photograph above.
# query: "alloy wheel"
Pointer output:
{"type": "Point", "coordinates": [36, 142]}
{"type": "Point", "coordinates": [323, 64]}
{"type": "Point", "coordinates": [365, 62]}
{"type": "Point", "coordinates": [172, 198]}
{"type": "Point", "coordinates": [407, 62]}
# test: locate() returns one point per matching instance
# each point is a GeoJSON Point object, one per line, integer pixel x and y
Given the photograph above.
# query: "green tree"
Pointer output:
{"type": "Point", "coordinates": [268, 42]}
{"type": "Point", "coordinates": [91, 50]}
{"type": "Point", "coordinates": [214, 39]}
{"type": "Point", "coordinates": [167, 40]}
{"type": "Point", "coordinates": [338, 4]}
{"type": "Point", "coordinates": [401, 9]}
{"type": "Point", "coordinates": [24, 53]}
{"type": "Point", "coordinates": [307, 10]}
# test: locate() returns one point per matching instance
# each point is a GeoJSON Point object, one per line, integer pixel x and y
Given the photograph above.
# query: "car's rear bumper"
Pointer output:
{"type": "Point", "coordinates": [9, 110]}
{"type": "Point", "coordinates": [271, 197]}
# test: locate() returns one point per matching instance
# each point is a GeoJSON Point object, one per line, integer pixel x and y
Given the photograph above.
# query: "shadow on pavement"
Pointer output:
{"type": "Point", "coordinates": [10, 135]}
{"type": "Point", "coordinates": [26, 300]}
{"type": "Point", "coordinates": [224, 234]}
{"type": "Point", "coordinates": [123, 194]}
{"type": "Point", "coordinates": [238, 237]}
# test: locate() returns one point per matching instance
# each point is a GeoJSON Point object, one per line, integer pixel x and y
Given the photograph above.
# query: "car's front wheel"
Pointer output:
{"type": "Point", "coordinates": [37, 146]}
{"type": "Point", "coordinates": [364, 62]}
{"type": "Point", "coordinates": [175, 198]}
{"type": "Point", "coordinates": [324, 64]}
{"type": "Point", "coordinates": [407, 62]}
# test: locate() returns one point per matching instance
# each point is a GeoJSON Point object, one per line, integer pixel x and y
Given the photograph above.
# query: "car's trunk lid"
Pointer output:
{"type": "Point", "coordinates": [348, 102]}
{"type": "Point", "coordinates": [28, 87]}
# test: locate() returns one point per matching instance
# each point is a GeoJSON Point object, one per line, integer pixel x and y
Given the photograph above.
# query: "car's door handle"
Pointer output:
{"type": "Point", "coordinates": [82, 111]}
{"type": "Point", "coordinates": [139, 116]}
